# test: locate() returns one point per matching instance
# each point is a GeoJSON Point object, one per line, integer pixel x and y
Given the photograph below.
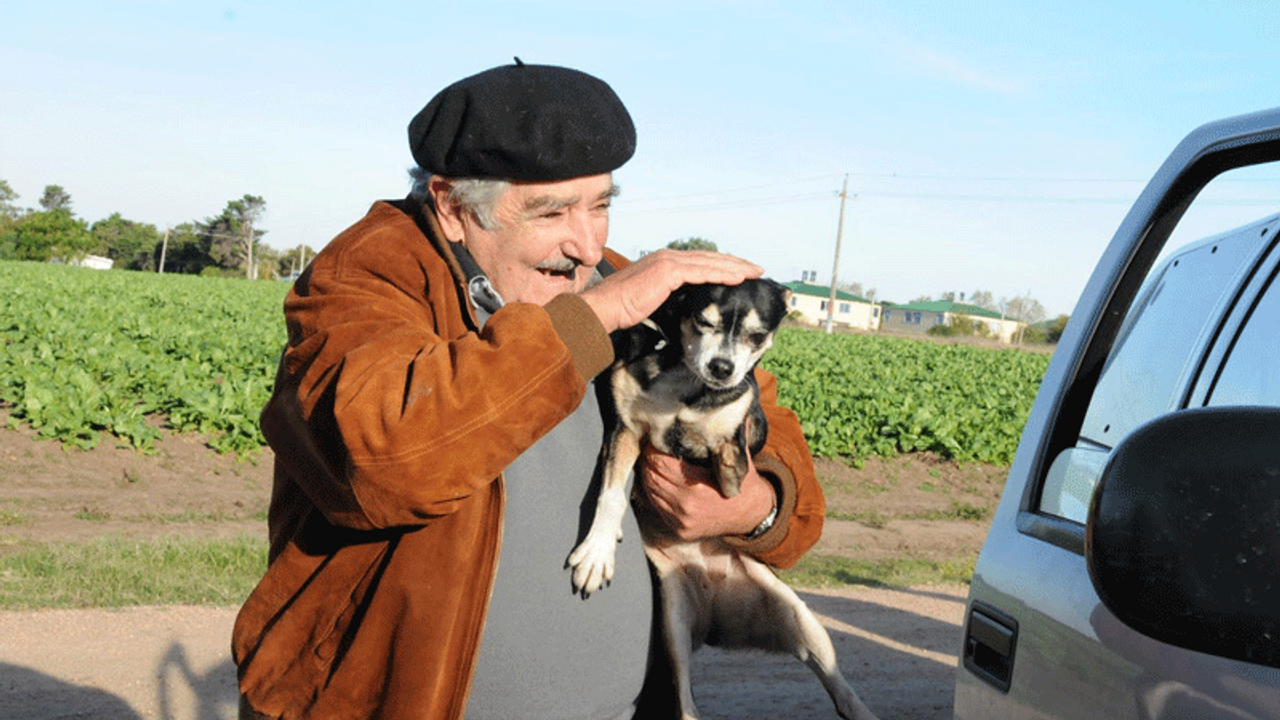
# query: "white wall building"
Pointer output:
{"type": "Point", "coordinates": [853, 311]}
{"type": "Point", "coordinates": [97, 262]}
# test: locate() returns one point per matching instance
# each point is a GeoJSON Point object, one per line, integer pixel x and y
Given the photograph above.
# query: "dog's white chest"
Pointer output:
{"type": "Point", "coordinates": [654, 411]}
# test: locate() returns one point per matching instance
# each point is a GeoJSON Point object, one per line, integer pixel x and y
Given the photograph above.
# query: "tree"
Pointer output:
{"type": "Point", "coordinates": [855, 288]}
{"type": "Point", "coordinates": [184, 252]}
{"type": "Point", "coordinates": [127, 242]}
{"type": "Point", "coordinates": [1025, 309]}
{"type": "Point", "coordinates": [55, 198]}
{"type": "Point", "coordinates": [51, 234]}
{"type": "Point", "coordinates": [983, 299]}
{"type": "Point", "coordinates": [9, 214]}
{"type": "Point", "coordinates": [230, 239]}
{"type": "Point", "coordinates": [8, 210]}
{"type": "Point", "coordinates": [266, 260]}
{"type": "Point", "coordinates": [1053, 331]}
{"type": "Point", "coordinates": [293, 261]}
{"type": "Point", "coordinates": [693, 243]}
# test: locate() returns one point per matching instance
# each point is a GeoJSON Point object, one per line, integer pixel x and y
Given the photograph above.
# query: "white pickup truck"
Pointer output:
{"type": "Point", "coordinates": [1132, 569]}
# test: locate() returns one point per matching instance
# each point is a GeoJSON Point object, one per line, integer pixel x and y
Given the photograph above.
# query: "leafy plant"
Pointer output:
{"type": "Point", "coordinates": [861, 395]}
{"type": "Point", "coordinates": [86, 352]}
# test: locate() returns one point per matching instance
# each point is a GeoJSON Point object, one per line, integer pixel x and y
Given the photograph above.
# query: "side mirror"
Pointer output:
{"type": "Point", "coordinates": [1183, 533]}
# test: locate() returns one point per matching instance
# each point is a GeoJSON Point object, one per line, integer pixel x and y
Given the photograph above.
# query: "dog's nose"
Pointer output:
{"type": "Point", "coordinates": [720, 368]}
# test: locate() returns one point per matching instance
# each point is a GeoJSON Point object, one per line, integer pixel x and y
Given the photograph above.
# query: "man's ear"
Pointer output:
{"type": "Point", "coordinates": [449, 214]}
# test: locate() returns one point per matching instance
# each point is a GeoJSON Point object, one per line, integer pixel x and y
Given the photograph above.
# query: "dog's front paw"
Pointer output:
{"type": "Point", "coordinates": [592, 562]}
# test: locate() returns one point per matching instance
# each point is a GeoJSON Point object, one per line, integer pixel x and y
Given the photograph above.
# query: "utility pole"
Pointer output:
{"type": "Point", "coordinates": [251, 272]}
{"type": "Point", "coordinates": [299, 260]}
{"type": "Point", "coordinates": [164, 248]}
{"type": "Point", "coordinates": [835, 264]}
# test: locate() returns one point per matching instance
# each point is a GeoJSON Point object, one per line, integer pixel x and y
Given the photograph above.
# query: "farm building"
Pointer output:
{"type": "Point", "coordinates": [919, 317]}
{"type": "Point", "coordinates": [97, 262]}
{"type": "Point", "coordinates": [810, 301]}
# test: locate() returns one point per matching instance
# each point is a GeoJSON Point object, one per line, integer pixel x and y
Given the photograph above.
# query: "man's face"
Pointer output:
{"type": "Point", "coordinates": [551, 236]}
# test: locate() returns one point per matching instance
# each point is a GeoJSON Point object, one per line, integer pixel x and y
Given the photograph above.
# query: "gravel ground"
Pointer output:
{"type": "Point", "coordinates": [896, 646]}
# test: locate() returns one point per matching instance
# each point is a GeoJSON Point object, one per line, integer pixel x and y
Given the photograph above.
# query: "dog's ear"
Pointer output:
{"type": "Point", "coordinates": [782, 292]}
{"type": "Point", "coordinates": [673, 309]}
{"type": "Point", "coordinates": [633, 342]}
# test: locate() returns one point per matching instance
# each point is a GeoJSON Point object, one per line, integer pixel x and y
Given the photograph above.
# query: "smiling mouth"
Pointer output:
{"type": "Point", "coordinates": [565, 270]}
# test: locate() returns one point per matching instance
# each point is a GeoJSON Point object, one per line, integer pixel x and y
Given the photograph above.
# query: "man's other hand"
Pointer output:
{"type": "Point", "coordinates": [685, 496]}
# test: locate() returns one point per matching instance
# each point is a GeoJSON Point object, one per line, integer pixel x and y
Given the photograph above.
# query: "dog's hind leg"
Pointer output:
{"type": "Point", "coordinates": [796, 630]}
{"type": "Point", "coordinates": [681, 620]}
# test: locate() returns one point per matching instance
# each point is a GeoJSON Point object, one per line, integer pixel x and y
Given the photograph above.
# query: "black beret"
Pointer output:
{"type": "Point", "coordinates": [536, 123]}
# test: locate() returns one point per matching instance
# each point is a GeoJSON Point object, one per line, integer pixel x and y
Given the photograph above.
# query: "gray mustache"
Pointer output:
{"type": "Point", "coordinates": [559, 266]}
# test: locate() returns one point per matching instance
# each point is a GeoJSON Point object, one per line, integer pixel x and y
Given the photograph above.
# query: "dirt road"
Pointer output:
{"type": "Point", "coordinates": [896, 647]}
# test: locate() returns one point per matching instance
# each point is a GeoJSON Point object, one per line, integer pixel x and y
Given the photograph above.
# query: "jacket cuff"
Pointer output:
{"type": "Point", "coordinates": [581, 332]}
{"type": "Point", "coordinates": [784, 484]}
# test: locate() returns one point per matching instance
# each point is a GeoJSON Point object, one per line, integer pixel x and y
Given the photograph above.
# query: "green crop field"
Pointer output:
{"type": "Point", "coordinates": [862, 395]}
{"type": "Point", "coordinates": [87, 353]}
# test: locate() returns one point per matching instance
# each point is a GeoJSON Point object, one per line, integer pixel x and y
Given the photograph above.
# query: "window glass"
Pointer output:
{"type": "Point", "coordinates": [1251, 374]}
{"type": "Point", "coordinates": [1144, 376]}
{"type": "Point", "coordinates": [1154, 356]}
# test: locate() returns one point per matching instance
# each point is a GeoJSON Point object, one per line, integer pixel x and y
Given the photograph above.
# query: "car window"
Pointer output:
{"type": "Point", "coordinates": [1146, 372]}
{"type": "Point", "coordinates": [1250, 375]}
{"type": "Point", "coordinates": [1155, 356]}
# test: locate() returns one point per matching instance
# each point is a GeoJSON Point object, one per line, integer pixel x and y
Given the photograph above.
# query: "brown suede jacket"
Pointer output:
{"type": "Point", "coordinates": [392, 419]}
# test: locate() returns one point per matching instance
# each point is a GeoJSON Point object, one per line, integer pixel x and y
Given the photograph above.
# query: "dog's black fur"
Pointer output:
{"type": "Point", "coordinates": [684, 383]}
{"type": "Point", "coordinates": [654, 356]}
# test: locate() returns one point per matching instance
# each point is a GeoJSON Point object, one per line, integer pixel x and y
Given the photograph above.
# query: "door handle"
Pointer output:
{"type": "Point", "coordinates": [990, 641]}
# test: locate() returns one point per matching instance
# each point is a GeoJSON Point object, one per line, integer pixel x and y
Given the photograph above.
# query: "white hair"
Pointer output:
{"type": "Point", "coordinates": [478, 196]}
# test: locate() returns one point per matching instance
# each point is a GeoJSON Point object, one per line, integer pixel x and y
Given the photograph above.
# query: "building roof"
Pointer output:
{"type": "Point", "coordinates": [824, 292]}
{"type": "Point", "coordinates": [955, 308]}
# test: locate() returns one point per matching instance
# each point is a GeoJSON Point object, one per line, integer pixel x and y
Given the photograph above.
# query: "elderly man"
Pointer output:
{"type": "Point", "coordinates": [436, 431]}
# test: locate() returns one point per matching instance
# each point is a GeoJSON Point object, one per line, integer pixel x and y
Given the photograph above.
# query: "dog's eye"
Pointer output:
{"type": "Point", "coordinates": [757, 339]}
{"type": "Point", "coordinates": [703, 324]}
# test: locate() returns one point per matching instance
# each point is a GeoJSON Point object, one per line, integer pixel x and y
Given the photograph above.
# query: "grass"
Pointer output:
{"type": "Point", "coordinates": [877, 520]}
{"type": "Point", "coordinates": [873, 519]}
{"type": "Point", "coordinates": [194, 516]}
{"type": "Point", "coordinates": [12, 517]}
{"type": "Point", "coordinates": [117, 572]}
{"type": "Point", "coordinates": [92, 514]}
{"type": "Point", "coordinates": [830, 571]}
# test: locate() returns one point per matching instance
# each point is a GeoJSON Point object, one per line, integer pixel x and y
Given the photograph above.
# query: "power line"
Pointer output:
{"type": "Point", "coordinates": [730, 203]}
{"type": "Point", "coordinates": [990, 178]}
{"type": "Point", "coordinates": [1051, 199]}
{"type": "Point", "coordinates": [726, 191]}
{"type": "Point", "coordinates": [735, 204]}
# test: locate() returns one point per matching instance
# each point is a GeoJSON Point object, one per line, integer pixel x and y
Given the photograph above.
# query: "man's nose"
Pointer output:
{"type": "Point", "coordinates": [585, 239]}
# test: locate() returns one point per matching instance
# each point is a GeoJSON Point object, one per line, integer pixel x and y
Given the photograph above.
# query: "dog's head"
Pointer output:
{"type": "Point", "coordinates": [724, 329]}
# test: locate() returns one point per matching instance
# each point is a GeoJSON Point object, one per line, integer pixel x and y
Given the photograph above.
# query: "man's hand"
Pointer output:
{"type": "Point", "coordinates": [687, 499]}
{"type": "Point", "coordinates": [632, 294]}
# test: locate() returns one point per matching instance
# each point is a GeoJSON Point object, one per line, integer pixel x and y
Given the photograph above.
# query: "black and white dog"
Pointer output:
{"type": "Point", "coordinates": [683, 382]}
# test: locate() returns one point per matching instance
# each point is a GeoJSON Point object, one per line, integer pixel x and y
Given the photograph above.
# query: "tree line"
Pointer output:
{"type": "Point", "coordinates": [229, 243]}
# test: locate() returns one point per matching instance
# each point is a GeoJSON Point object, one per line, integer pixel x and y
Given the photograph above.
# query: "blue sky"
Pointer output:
{"type": "Point", "coordinates": [992, 146]}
